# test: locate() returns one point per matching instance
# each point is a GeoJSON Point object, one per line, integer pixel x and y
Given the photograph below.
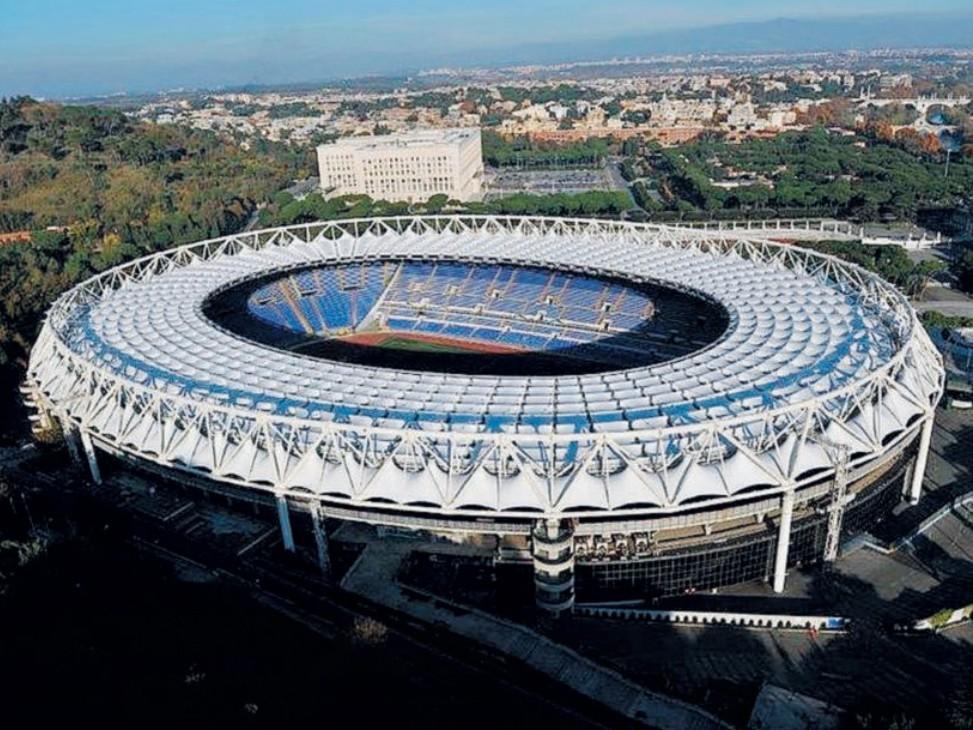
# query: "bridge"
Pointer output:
{"type": "Point", "coordinates": [821, 229]}
{"type": "Point", "coordinates": [921, 104]}
{"type": "Point", "coordinates": [924, 126]}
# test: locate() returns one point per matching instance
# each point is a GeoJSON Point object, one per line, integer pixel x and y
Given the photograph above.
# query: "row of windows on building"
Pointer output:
{"type": "Point", "coordinates": [416, 186]}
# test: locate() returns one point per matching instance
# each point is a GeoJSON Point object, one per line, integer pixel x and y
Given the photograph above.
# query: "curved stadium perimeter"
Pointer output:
{"type": "Point", "coordinates": [632, 409]}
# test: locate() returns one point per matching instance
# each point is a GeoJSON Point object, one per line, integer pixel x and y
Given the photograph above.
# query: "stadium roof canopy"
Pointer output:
{"type": "Point", "coordinates": [818, 356]}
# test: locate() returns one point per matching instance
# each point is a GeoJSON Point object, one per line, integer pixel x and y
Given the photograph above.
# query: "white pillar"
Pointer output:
{"type": "Point", "coordinates": [321, 539]}
{"type": "Point", "coordinates": [70, 433]}
{"type": "Point", "coordinates": [783, 540]}
{"type": "Point", "coordinates": [919, 469]}
{"type": "Point", "coordinates": [89, 452]}
{"type": "Point", "coordinates": [285, 523]}
{"type": "Point", "coordinates": [43, 413]}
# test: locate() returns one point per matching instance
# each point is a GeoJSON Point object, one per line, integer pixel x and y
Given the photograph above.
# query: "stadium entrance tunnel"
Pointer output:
{"type": "Point", "coordinates": [469, 317]}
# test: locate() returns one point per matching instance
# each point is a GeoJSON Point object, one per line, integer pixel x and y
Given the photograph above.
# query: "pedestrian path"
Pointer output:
{"type": "Point", "coordinates": [374, 577]}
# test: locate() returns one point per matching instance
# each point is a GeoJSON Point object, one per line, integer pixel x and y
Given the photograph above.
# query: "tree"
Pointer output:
{"type": "Point", "coordinates": [922, 274]}
{"type": "Point", "coordinates": [111, 189]}
{"type": "Point", "coordinates": [436, 203]}
{"type": "Point", "coordinates": [964, 271]}
{"type": "Point", "coordinates": [930, 145]}
{"type": "Point", "coordinates": [882, 131]}
{"type": "Point", "coordinates": [612, 108]}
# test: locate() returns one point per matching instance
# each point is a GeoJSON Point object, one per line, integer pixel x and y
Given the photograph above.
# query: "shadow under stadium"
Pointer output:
{"type": "Point", "coordinates": [470, 327]}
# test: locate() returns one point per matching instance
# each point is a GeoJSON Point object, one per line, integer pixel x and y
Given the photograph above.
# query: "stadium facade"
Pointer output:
{"type": "Point", "coordinates": [630, 409]}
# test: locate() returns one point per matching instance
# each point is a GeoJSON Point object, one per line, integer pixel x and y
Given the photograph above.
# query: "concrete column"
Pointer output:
{"type": "Point", "coordinates": [285, 523]}
{"type": "Point", "coordinates": [783, 540]}
{"type": "Point", "coordinates": [44, 418]}
{"type": "Point", "coordinates": [71, 439]}
{"type": "Point", "coordinates": [321, 539]}
{"type": "Point", "coordinates": [919, 469]}
{"type": "Point", "coordinates": [44, 414]}
{"type": "Point", "coordinates": [552, 546]}
{"type": "Point", "coordinates": [907, 474]}
{"type": "Point", "coordinates": [89, 452]}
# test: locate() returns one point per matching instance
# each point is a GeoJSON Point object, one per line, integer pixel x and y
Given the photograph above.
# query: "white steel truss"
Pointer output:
{"type": "Point", "coordinates": [641, 469]}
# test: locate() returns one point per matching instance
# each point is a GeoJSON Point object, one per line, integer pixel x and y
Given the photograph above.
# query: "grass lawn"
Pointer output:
{"type": "Point", "coordinates": [407, 343]}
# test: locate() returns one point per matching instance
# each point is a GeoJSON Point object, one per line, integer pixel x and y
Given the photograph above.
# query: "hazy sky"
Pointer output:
{"type": "Point", "coordinates": [58, 47]}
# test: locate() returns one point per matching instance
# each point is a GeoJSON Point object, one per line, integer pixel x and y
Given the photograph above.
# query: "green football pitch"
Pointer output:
{"type": "Point", "coordinates": [407, 343]}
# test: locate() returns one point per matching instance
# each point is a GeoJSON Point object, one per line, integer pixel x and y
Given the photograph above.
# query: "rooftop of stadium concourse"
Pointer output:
{"type": "Point", "coordinates": [791, 336]}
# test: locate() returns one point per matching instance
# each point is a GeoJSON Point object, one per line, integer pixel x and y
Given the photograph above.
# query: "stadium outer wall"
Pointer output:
{"type": "Point", "coordinates": [686, 554]}
{"type": "Point", "coordinates": [654, 551]}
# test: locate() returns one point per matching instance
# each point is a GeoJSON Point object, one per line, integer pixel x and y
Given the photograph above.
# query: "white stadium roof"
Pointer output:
{"type": "Point", "coordinates": [818, 355]}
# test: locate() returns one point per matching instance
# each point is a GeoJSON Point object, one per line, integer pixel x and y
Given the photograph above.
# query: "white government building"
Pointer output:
{"type": "Point", "coordinates": [409, 166]}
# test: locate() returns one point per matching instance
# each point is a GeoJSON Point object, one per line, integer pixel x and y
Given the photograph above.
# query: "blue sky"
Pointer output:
{"type": "Point", "coordinates": [60, 47]}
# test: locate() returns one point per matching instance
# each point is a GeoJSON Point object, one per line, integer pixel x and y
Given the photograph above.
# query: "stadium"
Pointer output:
{"type": "Point", "coordinates": [628, 409]}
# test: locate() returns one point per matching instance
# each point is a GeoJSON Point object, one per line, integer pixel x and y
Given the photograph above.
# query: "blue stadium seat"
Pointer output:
{"type": "Point", "coordinates": [514, 306]}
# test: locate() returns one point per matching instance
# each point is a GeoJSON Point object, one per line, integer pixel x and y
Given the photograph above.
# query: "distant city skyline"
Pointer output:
{"type": "Point", "coordinates": [58, 48]}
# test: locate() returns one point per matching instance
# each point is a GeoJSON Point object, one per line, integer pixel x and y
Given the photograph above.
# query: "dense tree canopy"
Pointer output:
{"type": "Point", "coordinates": [964, 270]}
{"type": "Point", "coordinates": [523, 152]}
{"type": "Point", "coordinates": [563, 93]}
{"type": "Point", "coordinates": [892, 263]}
{"type": "Point", "coordinates": [95, 188]}
{"type": "Point", "coordinates": [286, 210]}
{"type": "Point", "coordinates": [810, 172]}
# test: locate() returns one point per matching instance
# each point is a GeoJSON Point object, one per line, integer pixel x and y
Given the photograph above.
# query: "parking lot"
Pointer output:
{"type": "Point", "coordinates": [501, 182]}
